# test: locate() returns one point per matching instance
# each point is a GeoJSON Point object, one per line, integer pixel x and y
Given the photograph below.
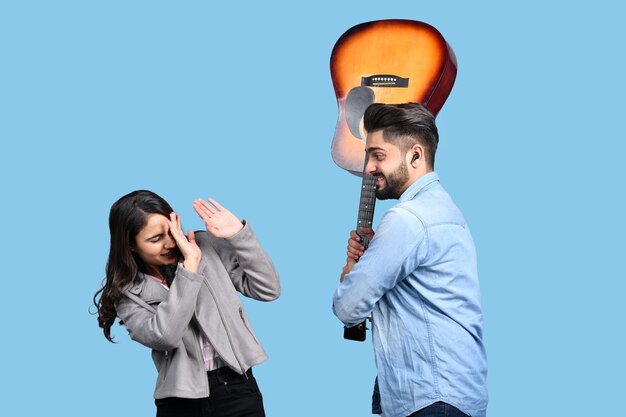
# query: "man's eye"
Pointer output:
{"type": "Point", "coordinates": [379, 157]}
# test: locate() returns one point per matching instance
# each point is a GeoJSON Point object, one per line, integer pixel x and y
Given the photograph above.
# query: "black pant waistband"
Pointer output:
{"type": "Point", "coordinates": [225, 375]}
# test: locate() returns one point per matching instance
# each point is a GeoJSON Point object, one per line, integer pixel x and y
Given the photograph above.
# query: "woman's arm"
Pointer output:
{"type": "Point", "coordinates": [249, 267]}
{"type": "Point", "coordinates": [164, 329]}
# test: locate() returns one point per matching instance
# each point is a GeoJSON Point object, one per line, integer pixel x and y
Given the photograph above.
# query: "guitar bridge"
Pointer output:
{"type": "Point", "coordinates": [384, 80]}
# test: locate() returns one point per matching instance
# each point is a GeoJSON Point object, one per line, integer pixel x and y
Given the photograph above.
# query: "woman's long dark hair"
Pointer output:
{"type": "Point", "coordinates": [127, 217]}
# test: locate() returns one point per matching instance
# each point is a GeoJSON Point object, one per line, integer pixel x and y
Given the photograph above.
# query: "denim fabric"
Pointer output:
{"type": "Point", "coordinates": [439, 409]}
{"type": "Point", "coordinates": [232, 395]}
{"type": "Point", "coordinates": [376, 409]}
{"type": "Point", "coordinates": [418, 279]}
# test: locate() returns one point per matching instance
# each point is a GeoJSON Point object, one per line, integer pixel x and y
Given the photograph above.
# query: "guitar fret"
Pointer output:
{"type": "Point", "coordinates": [367, 203]}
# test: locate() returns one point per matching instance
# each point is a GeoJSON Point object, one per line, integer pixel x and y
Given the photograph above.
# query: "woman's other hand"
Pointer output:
{"type": "Point", "coordinates": [218, 221]}
{"type": "Point", "coordinates": [187, 245]}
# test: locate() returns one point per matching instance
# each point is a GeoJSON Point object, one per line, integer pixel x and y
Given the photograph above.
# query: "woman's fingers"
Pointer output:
{"type": "Point", "coordinates": [216, 204]}
{"type": "Point", "coordinates": [173, 223]}
{"type": "Point", "coordinates": [218, 221]}
{"type": "Point", "coordinates": [208, 207]}
{"type": "Point", "coordinates": [175, 228]}
{"type": "Point", "coordinates": [204, 210]}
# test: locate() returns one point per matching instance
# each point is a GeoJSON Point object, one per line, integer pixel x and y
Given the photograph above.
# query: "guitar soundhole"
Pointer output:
{"type": "Point", "coordinates": [384, 80]}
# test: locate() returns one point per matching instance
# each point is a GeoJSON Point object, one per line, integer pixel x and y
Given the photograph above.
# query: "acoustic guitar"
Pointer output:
{"type": "Point", "coordinates": [384, 61]}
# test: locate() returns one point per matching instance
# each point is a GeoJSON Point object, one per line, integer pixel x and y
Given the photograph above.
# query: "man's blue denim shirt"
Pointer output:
{"type": "Point", "coordinates": [418, 280]}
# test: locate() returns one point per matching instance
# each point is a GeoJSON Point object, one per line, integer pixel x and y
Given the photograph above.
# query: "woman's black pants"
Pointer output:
{"type": "Point", "coordinates": [231, 395]}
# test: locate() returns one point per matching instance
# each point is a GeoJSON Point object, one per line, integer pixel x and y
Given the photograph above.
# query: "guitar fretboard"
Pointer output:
{"type": "Point", "coordinates": [366, 206]}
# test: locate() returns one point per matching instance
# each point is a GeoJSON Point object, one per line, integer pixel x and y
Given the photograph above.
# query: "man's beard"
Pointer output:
{"type": "Point", "coordinates": [394, 183]}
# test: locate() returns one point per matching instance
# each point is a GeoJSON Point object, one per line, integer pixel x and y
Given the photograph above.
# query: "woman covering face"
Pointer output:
{"type": "Point", "coordinates": [177, 294]}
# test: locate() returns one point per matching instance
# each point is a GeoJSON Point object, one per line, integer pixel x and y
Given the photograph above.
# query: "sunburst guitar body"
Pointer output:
{"type": "Point", "coordinates": [385, 61]}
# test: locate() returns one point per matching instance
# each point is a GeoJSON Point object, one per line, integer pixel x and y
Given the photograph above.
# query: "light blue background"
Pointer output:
{"type": "Point", "coordinates": [234, 100]}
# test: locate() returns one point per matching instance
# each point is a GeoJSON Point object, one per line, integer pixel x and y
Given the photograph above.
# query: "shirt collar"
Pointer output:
{"type": "Point", "coordinates": [418, 186]}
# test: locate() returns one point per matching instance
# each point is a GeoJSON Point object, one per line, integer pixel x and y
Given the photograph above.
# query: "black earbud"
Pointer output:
{"type": "Point", "coordinates": [416, 156]}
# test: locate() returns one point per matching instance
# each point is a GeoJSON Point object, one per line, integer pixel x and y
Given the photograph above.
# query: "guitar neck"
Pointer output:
{"type": "Point", "coordinates": [366, 206]}
{"type": "Point", "coordinates": [366, 218]}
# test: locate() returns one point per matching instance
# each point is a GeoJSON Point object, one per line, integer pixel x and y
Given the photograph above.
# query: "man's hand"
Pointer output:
{"type": "Point", "coordinates": [355, 244]}
{"type": "Point", "coordinates": [355, 249]}
{"type": "Point", "coordinates": [347, 268]}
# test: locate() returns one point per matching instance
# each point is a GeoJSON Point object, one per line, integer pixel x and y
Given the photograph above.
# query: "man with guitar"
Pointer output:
{"type": "Point", "coordinates": [418, 277]}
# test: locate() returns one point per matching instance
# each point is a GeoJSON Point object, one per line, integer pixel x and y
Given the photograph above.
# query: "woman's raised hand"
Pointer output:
{"type": "Point", "coordinates": [187, 245]}
{"type": "Point", "coordinates": [218, 221]}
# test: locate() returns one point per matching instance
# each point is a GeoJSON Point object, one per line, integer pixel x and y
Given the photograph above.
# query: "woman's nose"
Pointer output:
{"type": "Point", "coordinates": [169, 242]}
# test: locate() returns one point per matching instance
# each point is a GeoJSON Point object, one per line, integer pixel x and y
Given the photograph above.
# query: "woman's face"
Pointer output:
{"type": "Point", "coordinates": [154, 244]}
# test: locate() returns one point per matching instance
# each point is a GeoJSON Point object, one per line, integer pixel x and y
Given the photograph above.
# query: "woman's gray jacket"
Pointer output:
{"type": "Point", "coordinates": [170, 322]}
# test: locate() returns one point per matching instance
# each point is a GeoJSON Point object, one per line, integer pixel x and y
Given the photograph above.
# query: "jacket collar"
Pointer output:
{"type": "Point", "coordinates": [147, 288]}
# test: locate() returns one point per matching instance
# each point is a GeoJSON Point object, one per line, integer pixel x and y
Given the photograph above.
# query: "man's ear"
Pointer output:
{"type": "Point", "coordinates": [417, 154]}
